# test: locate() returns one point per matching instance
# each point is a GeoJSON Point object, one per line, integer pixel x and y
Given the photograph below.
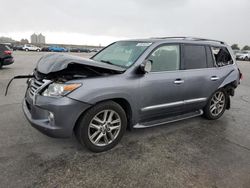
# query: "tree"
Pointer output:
{"type": "Point", "coordinates": [235, 47]}
{"type": "Point", "coordinates": [6, 40]}
{"type": "Point", "coordinates": [24, 41]}
{"type": "Point", "coordinates": [246, 48]}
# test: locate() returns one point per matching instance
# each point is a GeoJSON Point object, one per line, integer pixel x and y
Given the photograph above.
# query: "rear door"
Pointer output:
{"type": "Point", "coordinates": [202, 76]}
{"type": "Point", "coordinates": [198, 84]}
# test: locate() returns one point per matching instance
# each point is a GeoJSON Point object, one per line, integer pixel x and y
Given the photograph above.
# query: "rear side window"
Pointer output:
{"type": "Point", "coordinates": [165, 58]}
{"type": "Point", "coordinates": [7, 47]}
{"type": "Point", "coordinates": [194, 56]}
{"type": "Point", "coordinates": [4, 47]}
{"type": "Point", "coordinates": [221, 56]}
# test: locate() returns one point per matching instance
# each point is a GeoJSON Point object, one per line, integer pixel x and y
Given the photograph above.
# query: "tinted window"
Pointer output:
{"type": "Point", "coordinates": [165, 58]}
{"type": "Point", "coordinates": [194, 57]}
{"type": "Point", "coordinates": [222, 56]}
{"type": "Point", "coordinates": [4, 47]}
{"type": "Point", "coordinates": [1, 47]}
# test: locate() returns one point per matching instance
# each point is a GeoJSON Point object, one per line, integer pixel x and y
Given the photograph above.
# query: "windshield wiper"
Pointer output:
{"type": "Point", "coordinates": [110, 63]}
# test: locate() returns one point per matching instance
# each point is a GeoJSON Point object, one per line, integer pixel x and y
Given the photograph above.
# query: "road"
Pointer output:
{"type": "Point", "coordinates": [190, 153]}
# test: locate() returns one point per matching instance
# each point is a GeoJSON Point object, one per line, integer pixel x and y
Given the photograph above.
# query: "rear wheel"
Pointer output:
{"type": "Point", "coordinates": [216, 105]}
{"type": "Point", "coordinates": [1, 64]}
{"type": "Point", "coordinates": [26, 49]}
{"type": "Point", "coordinates": [102, 127]}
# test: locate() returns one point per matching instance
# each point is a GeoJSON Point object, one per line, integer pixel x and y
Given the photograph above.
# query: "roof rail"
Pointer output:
{"type": "Point", "coordinates": [202, 39]}
{"type": "Point", "coordinates": [191, 38]}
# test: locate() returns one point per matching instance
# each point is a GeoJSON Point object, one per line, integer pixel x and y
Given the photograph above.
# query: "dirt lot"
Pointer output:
{"type": "Point", "coordinates": [190, 153]}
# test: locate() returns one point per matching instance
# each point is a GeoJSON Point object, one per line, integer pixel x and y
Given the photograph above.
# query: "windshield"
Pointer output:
{"type": "Point", "coordinates": [123, 53]}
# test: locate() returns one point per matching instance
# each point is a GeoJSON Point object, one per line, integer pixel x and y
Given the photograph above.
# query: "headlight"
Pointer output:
{"type": "Point", "coordinates": [56, 89]}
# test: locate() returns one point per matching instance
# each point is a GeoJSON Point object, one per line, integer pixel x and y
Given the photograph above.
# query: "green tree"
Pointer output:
{"type": "Point", "coordinates": [235, 47]}
{"type": "Point", "coordinates": [246, 48]}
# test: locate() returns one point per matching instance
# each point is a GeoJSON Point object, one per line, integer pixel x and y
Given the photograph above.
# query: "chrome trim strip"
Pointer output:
{"type": "Point", "coordinates": [178, 103]}
{"type": "Point", "coordinates": [195, 100]}
{"type": "Point", "coordinates": [162, 105]}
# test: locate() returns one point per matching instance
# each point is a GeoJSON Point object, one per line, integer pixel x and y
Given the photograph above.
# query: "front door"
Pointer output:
{"type": "Point", "coordinates": [161, 89]}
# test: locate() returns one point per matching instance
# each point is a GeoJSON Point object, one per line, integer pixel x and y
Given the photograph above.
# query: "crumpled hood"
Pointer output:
{"type": "Point", "coordinates": [57, 62]}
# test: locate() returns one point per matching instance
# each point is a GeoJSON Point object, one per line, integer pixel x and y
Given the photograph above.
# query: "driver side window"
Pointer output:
{"type": "Point", "coordinates": [165, 58]}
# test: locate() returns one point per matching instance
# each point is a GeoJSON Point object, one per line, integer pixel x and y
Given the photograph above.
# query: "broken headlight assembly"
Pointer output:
{"type": "Point", "coordinates": [59, 89]}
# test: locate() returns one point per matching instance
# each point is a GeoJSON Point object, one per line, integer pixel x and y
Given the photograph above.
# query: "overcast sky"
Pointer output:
{"type": "Point", "coordinates": [103, 21]}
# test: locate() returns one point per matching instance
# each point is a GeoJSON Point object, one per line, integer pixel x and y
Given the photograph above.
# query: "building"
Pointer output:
{"type": "Point", "coordinates": [33, 38]}
{"type": "Point", "coordinates": [40, 39]}
{"type": "Point", "coordinates": [37, 39]}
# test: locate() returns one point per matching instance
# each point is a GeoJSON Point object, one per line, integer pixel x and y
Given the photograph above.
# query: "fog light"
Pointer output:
{"type": "Point", "coordinates": [51, 117]}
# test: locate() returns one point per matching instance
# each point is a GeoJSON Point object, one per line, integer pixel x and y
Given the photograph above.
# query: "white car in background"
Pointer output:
{"type": "Point", "coordinates": [243, 55]}
{"type": "Point", "coordinates": [30, 47]}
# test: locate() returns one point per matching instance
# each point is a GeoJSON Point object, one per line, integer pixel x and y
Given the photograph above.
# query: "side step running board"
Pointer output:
{"type": "Point", "coordinates": [168, 120]}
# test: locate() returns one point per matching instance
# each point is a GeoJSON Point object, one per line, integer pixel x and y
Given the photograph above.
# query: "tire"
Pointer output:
{"type": "Point", "coordinates": [26, 49]}
{"type": "Point", "coordinates": [215, 108]}
{"type": "Point", "coordinates": [100, 136]}
{"type": "Point", "coordinates": [1, 64]}
{"type": "Point", "coordinates": [38, 50]}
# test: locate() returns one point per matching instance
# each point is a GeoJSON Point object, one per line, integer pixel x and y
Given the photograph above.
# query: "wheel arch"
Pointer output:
{"type": "Point", "coordinates": [122, 102]}
{"type": "Point", "coordinates": [232, 79]}
{"type": "Point", "coordinates": [229, 89]}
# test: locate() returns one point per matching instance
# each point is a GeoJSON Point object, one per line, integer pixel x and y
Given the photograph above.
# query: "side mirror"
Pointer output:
{"type": "Point", "coordinates": [146, 66]}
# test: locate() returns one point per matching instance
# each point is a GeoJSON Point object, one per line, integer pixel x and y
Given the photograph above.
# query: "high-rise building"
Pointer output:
{"type": "Point", "coordinates": [33, 38]}
{"type": "Point", "coordinates": [37, 39]}
{"type": "Point", "coordinates": [40, 39]}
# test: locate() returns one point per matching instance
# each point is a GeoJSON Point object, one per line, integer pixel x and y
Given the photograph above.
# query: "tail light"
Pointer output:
{"type": "Point", "coordinates": [7, 52]}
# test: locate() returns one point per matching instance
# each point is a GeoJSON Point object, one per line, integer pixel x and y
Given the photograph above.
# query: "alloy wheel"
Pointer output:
{"type": "Point", "coordinates": [104, 128]}
{"type": "Point", "coordinates": [217, 103]}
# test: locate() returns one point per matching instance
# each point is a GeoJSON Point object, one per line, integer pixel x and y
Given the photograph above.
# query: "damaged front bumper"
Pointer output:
{"type": "Point", "coordinates": [55, 117]}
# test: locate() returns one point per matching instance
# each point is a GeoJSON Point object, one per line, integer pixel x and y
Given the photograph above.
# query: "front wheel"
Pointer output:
{"type": "Point", "coordinates": [216, 105]}
{"type": "Point", "coordinates": [102, 127]}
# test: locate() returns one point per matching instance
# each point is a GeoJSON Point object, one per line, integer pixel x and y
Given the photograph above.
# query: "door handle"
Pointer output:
{"type": "Point", "coordinates": [214, 78]}
{"type": "Point", "coordinates": [179, 81]}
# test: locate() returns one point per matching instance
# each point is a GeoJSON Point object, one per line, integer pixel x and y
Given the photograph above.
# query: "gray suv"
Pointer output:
{"type": "Point", "coordinates": [130, 84]}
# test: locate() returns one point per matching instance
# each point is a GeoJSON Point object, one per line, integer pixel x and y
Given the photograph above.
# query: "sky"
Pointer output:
{"type": "Point", "coordinates": [100, 22]}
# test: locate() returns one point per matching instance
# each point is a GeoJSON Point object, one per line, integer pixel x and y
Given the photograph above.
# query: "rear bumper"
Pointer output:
{"type": "Point", "coordinates": [8, 61]}
{"type": "Point", "coordinates": [55, 117]}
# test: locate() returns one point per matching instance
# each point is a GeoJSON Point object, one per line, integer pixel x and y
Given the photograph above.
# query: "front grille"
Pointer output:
{"type": "Point", "coordinates": [34, 86]}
